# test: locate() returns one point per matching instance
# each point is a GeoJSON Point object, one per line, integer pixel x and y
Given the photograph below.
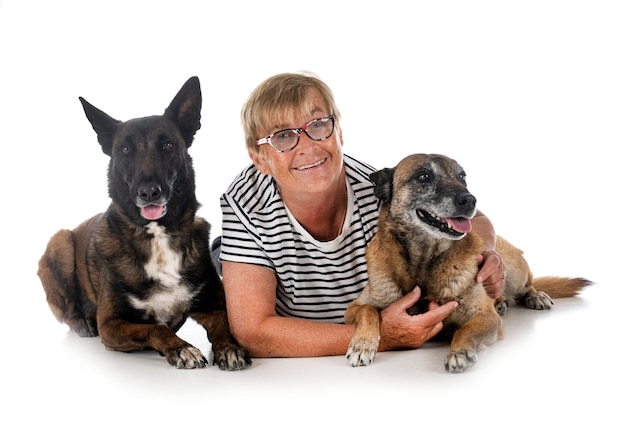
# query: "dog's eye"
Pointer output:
{"type": "Point", "coordinates": [423, 176]}
{"type": "Point", "coordinates": [167, 146]}
{"type": "Point", "coordinates": [125, 149]}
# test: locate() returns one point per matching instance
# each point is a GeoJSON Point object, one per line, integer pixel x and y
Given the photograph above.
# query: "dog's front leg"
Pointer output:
{"type": "Point", "coordinates": [364, 344]}
{"type": "Point", "coordinates": [124, 336]}
{"type": "Point", "coordinates": [482, 330]}
{"type": "Point", "coordinates": [227, 354]}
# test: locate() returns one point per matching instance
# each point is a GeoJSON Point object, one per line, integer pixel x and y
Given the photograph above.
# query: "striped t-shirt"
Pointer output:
{"type": "Point", "coordinates": [315, 280]}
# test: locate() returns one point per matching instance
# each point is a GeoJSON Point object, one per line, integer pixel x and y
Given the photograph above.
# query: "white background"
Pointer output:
{"type": "Point", "coordinates": [530, 97]}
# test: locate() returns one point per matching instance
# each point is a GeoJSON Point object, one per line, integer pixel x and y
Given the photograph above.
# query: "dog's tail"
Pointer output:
{"type": "Point", "coordinates": [560, 287]}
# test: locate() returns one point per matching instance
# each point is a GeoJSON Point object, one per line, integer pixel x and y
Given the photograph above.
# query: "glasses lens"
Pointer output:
{"type": "Point", "coordinates": [320, 129]}
{"type": "Point", "coordinates": [284, 140]}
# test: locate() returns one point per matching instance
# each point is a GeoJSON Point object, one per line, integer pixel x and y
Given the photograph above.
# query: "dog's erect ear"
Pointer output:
{"type": "Point", "coordinates": [383, 184]}
{"type": "Point", "coordinates": [184, 110]}
{"type": "Point", "coordinates": [104, 125]}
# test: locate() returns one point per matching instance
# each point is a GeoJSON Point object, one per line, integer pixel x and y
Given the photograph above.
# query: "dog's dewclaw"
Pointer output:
{"type": "Point", "coordinates": [459, 360]}
{"type": "Point", "coordinates": [83, 327]}
{"type": "Point", "coordinates": [186, 358]}
{"type": "Point", "coordinates": [232, 359]}
{"type": "Point", "coordinates": [361, 352]}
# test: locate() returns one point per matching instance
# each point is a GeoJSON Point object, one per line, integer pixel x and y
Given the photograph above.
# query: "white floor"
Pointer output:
{"type": "Point", "coordinates": [528, 96]}
{"type": "Point", "coordinates": [551, 365]}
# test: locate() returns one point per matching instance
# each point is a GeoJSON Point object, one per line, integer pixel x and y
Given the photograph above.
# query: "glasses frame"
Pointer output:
{"type": "Point", "coordinates": [299, 131]}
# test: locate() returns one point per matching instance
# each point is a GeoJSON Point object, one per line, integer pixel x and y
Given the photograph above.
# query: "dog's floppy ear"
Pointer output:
{"type": "Point", "coordinates": [383, 184]}
{"type": "Point", "coordinates": [184, 110]}
{"type": "Point", "coordinates": [104, 125]}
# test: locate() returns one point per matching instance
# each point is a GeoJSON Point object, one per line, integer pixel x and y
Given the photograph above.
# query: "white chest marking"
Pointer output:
{"type": "Point", "coordinates": [169, 297]}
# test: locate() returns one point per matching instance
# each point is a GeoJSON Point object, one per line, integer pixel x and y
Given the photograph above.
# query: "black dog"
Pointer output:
{"type": "Point", "coordinates": [134, 273]}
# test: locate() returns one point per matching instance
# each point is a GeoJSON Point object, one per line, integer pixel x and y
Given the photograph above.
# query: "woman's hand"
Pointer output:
{"type": "Point", "coordinates": [491, 273]}
{"type": "Point", "coordinates": [399, 330]}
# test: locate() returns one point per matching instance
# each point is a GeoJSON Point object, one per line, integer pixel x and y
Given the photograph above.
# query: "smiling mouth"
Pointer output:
{"type": "Point", "coordinates": [153, 212]}
{"type": "Point", "coordinates": [309, 166]}
{"type": "Point", "coordinates": [456, 227]}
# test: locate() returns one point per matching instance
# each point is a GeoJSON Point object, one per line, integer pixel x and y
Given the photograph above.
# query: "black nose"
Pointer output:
{"type": "Point", "coordinates": [149, 191]}
{"type": "Point", "coordinates": [466, 200]}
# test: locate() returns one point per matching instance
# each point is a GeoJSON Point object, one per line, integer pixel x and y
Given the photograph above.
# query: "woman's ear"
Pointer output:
{"type": "Point", "coordinates": [259, 161]}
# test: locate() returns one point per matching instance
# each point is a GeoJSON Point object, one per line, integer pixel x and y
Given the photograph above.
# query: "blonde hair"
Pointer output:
{"type": "Point", "coordinates": [278, 98]}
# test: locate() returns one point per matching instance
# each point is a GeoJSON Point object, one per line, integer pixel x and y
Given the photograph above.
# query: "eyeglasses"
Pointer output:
{"type": "Point", "coordinates": [287, 139]}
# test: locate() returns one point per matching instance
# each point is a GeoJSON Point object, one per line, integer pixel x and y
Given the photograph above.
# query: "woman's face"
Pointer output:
{"type": "Point", "coordinates": [312, 166]}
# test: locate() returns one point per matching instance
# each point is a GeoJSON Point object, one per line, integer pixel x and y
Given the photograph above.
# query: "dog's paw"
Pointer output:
{"type": "Point", "coordinates": [459, 360]}
{"type": "Point", "coordinates": [187, 357]}
{"type": "Point", "coordinates": [538, 300]}
{"type": "Point", "coordinates": [232, 358]}
{"type": "Point", "coordinates": [502, 306]}
{"type": "Point", "coordinates": [361, 352]}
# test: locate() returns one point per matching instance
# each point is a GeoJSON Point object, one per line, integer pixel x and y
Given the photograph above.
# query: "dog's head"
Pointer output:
{"type": "Point", "coordinates": [427, 191]}
{"type": "Point", "coordinates": [149, 161]}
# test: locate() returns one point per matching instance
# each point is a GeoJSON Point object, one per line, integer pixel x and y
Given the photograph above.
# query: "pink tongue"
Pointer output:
{"type": "Point", "coordinates": [462, 225]}
{"type": "Point", "coordinates": [152, 212]}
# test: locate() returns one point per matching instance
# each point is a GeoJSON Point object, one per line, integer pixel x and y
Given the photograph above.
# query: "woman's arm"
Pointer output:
{"type": "Point", "coordinates": [251, 302]}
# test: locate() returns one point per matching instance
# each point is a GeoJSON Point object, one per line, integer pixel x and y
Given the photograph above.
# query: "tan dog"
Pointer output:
{"type": "Point", "coordinates": [424, 239]}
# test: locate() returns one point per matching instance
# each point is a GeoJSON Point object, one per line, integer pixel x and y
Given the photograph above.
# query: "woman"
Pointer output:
{"type": "Point", "coordinates": [295, 226]}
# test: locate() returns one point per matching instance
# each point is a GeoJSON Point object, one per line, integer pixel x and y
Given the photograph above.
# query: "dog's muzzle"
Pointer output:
{"type": "Point", "coordinates": [456, 226]}
{"type": "Point", "coordinates": [151, 200]}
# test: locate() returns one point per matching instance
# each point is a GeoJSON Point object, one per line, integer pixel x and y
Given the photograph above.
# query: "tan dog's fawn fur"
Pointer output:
{"type": "Point", "coordinates": [424, 239]}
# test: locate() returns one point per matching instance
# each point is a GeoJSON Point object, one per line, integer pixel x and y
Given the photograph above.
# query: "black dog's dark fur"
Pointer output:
{"type": "Point", "coordinates": [134, 273]}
